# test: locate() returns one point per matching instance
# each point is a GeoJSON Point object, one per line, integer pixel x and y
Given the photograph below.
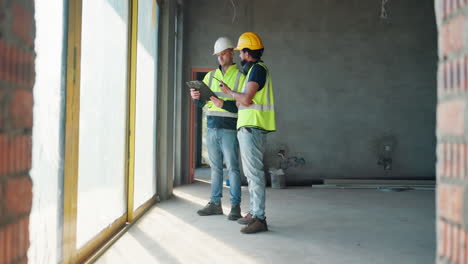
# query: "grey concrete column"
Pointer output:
{"type": "Point", "coordinates": [165, 90]}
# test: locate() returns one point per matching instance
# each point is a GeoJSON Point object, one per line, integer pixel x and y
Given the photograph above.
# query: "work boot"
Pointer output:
{"type": "Point", "coordinates": [211, 209]}
{"type": "Point", "coordinates": [235, 213]}
{"type": "Point", "coordinates": [255, 226]}
{"type": "Point", "coordinates": [245, 220]}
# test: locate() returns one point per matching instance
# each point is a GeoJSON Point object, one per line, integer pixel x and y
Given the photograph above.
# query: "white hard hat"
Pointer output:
{"type": "Point", "coordinates": [222, 44]}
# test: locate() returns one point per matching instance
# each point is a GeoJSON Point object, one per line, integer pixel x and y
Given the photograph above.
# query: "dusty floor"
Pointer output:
{"type": "Point", "coordinates": [306, 226]}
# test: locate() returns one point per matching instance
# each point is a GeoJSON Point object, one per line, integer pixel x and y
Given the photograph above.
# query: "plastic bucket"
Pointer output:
{"type": "Point", "coordinates": [278, 178]}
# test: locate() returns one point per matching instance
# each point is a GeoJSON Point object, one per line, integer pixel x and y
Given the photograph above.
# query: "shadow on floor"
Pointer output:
{"type": "Point", "coordinates": [307, 226]}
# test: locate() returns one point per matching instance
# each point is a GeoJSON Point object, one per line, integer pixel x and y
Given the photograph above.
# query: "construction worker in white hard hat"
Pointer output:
{"type": "Point", "coordinates": [221, 139]}
{"type": "Point", "coordinates": [256, 119]}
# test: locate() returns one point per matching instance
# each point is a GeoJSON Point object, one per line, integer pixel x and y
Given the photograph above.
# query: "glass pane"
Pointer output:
{"type": "Point", "coordinates": [103, 115]}
{"type": "Point", "coordinates": [145, 123]}
{"type": "Point", "coordinates": [48, 133]}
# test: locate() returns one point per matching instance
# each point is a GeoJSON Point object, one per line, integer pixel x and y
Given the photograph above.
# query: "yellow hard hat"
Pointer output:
{"type": "Point", "coordinates": [249, 40]}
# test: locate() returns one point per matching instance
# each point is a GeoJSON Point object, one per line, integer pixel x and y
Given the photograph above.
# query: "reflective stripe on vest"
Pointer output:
{"type": "Point", "coordinates": [211, 78]}
{"type": "Point", "coordinates": [236, 84]}
{"type": "Point", "coordinates": [223, 114]}
{"type": "Point", "coordinates": [258, 107]}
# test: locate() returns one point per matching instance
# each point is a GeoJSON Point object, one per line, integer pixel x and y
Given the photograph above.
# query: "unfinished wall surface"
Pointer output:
{"type": "Point", "coordinates": [452, 133]}
{"type": "Point", "coordinates": [16, 120]}
{"type": "Point", "coordinates": [347, 82]}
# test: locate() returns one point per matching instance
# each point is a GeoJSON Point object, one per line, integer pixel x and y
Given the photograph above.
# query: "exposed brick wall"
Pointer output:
{"type": "Point", "coordinates": [16, 102]}
{"type": "Point", "coordinates": [452, 132]}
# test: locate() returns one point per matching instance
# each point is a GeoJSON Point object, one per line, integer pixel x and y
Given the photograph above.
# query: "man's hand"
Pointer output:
{"type": "Point", "coordinates": [218, 102]}
{"type": "Point", "coordinates": [225, 88]}
{"type": "Point", "coordinates": [195, 94]}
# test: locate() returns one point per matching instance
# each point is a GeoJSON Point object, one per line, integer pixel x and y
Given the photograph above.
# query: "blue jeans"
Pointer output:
{"type": "Point", "coordinates": [252, 143]}
{"type": "Point", "coordinates": [222, 143]}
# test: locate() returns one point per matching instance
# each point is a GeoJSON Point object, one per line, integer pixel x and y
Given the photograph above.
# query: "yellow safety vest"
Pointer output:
{"type": "Point", "coordinates": [233, 78]}
{"type": "Point", "coordinates": [262, 113]}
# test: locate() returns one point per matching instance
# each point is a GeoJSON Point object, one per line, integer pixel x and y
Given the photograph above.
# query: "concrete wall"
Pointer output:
{"type": "Point", "coordinates": [166, 98]}
{"type": "Point", "coordinates": [344, 79]}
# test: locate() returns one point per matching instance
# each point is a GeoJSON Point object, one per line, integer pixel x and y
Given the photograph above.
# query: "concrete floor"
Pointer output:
{"type": "Point", "coordinates": [306, 226]}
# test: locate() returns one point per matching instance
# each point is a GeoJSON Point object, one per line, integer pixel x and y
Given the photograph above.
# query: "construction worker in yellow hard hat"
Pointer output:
{"type": "Point", "coordinates": [221, 139]}
{"type": "Point", "coordinates": [256, 118]}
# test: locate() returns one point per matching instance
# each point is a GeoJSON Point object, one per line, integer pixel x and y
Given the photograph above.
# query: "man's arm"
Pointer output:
{"type": "Point", "coordinates": [230, 106]}
{"type": "Point", "coordinates": [196, 98]}
{"type": "Point", "coordinates": [244, 98]}
{"type": "Point", "coordinates": [199, 103]}
{"type": "Point", "coordinates": [256, 80]}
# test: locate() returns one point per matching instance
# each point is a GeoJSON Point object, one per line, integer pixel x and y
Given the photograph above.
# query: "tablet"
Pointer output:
{"type": "Point", "coordinates": [205, 92]}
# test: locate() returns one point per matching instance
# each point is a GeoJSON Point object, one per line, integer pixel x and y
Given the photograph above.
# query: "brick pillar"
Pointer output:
{"type": "Point", "coordinates": [16, 102]}
{"type": "Point", "coordinates": [452, 132]}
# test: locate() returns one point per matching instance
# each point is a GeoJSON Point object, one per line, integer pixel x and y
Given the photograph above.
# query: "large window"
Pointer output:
{"type": "Point", "coordinates": [94, 137]}
{"type": "Point", "coordinates": [145, 120]}
{"type": "Point", "coordinates": [103, 115]}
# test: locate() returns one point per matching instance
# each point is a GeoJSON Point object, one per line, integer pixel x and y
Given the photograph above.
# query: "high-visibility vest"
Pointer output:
{"type": "Point", "coordinates": [233, 78]}
{"type": "Point", "coordinates": [262, 113]}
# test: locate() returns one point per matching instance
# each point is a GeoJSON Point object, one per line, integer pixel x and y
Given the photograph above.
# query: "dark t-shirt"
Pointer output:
{"type": "Point", "coordinates": [258, 75]}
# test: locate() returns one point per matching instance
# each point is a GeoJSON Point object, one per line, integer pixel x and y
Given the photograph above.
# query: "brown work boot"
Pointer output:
{"type": "Point", "coordinates": [235, 213]}
{"type": "Point", "coordinates": [211, 209]}
{"type": "Point", "coordinates": [245, 220]}
{"type": "Point", "coordinates": [255, 226]}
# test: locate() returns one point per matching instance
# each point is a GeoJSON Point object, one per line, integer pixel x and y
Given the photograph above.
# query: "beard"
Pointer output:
{"type": "Point", "coordinates": [243, 62]}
